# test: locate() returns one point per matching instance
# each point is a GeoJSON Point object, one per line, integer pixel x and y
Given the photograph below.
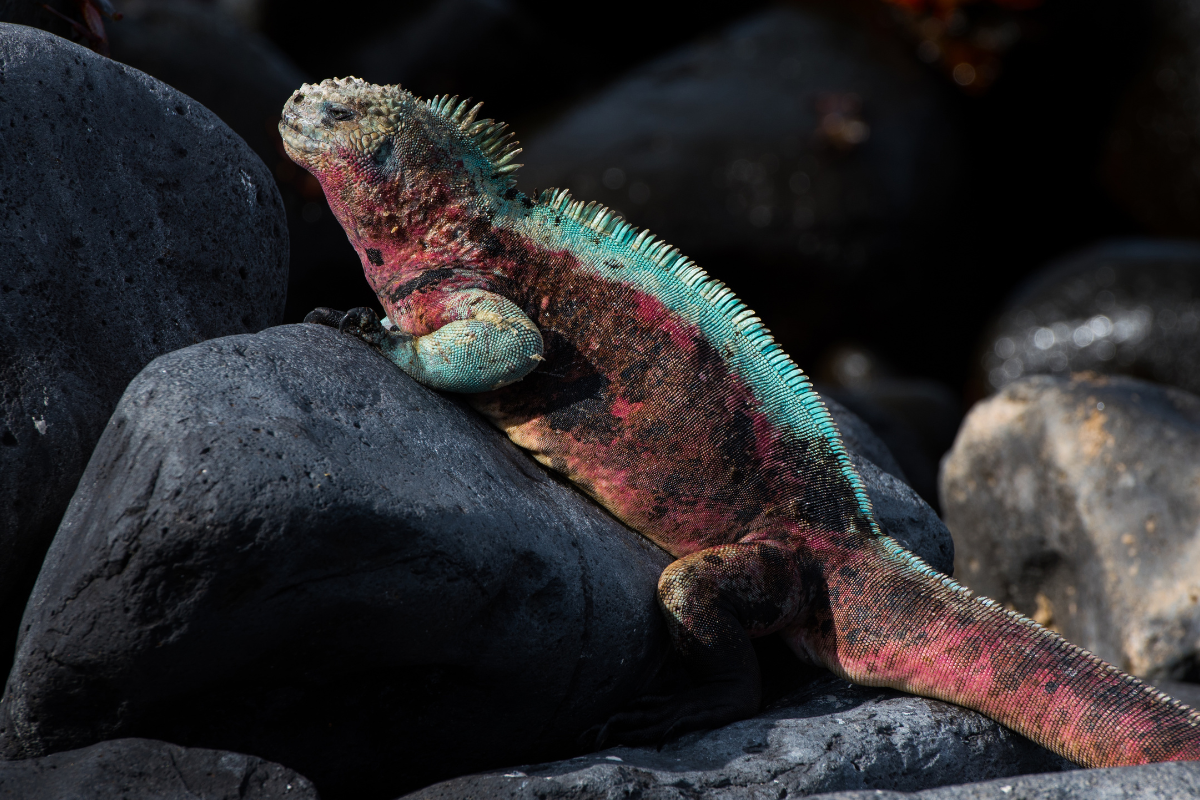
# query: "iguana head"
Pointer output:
{"type": "Point", "coordinates": [395, 168]}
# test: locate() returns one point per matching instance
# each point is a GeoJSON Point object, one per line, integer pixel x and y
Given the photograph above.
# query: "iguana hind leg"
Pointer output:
{"type": "Point", "coordinates": [715, 601]}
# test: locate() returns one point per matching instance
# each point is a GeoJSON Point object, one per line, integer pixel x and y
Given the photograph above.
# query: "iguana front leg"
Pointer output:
{"type": "Point", "coordinates": [480, 341]}
{"type": "Point", "coordinates": [715, 601]}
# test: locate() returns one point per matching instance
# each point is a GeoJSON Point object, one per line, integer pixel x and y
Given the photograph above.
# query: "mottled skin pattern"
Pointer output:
{"type": "Point", "coordinates": [622, 366]}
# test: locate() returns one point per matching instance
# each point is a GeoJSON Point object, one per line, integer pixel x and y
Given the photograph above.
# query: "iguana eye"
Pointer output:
{"type": "Point", "coordinates": [340, 113]}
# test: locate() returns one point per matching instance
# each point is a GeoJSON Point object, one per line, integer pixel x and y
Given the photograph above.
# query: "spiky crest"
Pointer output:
{"type": "Point", "coordinates": [607, 222]}
{"type": "Point", "coordinates": [492, 138]}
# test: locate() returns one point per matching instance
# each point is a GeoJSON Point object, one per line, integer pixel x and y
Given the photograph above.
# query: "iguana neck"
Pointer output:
{"type": "Point", "coordinates": [400, 231]}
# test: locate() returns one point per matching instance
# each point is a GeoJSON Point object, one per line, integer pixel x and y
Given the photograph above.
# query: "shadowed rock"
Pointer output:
{"type": "Point", "coordinates": [284, 546]}
{"type": "Point", "coordinates": [829, 736]}
{"type": "Point", "coordinates": [141, 769]}
{"type": "Point", "coordinates": [795, 155]}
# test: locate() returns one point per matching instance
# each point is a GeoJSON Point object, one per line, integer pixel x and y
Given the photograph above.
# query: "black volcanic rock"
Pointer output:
{"type": "Point", "coordinates": [284, 546]}
{"type": "Point", "coordinates": [132, 222]}
{"type": "Point", "coordinates": [793, 134]}
{"type": "Point", "coordinates": [828, 736]}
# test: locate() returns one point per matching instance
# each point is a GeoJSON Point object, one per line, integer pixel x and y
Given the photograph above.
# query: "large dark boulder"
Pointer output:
{"type": "Point", "coordinates": [284, 546]}
{"type": "Point", "coordinates": [794, 133]}
{"type": "Point", "coordinates": [132, 222]}
{"type": "Point", "coordinates": [141, 769]}
{"type": "Point", "coordinates": [1074, 501]}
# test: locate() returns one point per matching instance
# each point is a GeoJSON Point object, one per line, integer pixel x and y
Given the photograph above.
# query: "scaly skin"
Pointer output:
{"type": "Point", "coordinates": [620, 364]}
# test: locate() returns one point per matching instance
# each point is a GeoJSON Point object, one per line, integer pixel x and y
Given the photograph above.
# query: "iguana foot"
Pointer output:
{"type": "Point", "coordinates": [361, 322]}
{"type": "Point", "coordinates": [325, 316]}
{"type": "Point", "coordinates": [657, 720]}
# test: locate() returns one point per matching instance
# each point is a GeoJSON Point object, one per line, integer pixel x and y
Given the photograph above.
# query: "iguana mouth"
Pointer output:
{"type": "Point", "coordinates": [299, 135]}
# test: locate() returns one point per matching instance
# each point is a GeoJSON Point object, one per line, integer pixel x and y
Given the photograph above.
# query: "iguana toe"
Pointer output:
{"type": "Point", "coordinates": [325, 316]}
{"type": "Point", "coordinates": [363, 323]}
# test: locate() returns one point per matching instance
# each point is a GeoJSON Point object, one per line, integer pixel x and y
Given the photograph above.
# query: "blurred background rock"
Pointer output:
{"type": "Point", "coordinates": [1073, 500]}
{"type": "Point", "coordinates": [1128, 307]}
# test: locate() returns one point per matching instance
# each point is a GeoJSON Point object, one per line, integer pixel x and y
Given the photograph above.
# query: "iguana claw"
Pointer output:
{"type": "Point", "coordinates": [362, 323]}
{"type": "Point", "coordinates": [325, 316]}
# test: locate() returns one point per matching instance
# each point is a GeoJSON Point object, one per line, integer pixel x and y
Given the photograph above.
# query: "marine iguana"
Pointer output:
{"type": "Point", "coordinates": [619, 363]}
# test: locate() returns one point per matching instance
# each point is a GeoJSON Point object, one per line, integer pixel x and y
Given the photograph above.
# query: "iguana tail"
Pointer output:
{"type": "Point", "coordinates": [893, 621]}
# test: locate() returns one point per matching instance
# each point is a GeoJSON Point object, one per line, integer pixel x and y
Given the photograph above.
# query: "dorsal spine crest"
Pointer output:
{"type": "Point", "coordinates": [495, 142]}
{"type": "Point", "coordinates": [607, 222]}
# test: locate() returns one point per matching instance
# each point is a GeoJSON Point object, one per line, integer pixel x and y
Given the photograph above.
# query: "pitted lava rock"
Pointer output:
{"type": "Point", "coordinates": [132, 223]}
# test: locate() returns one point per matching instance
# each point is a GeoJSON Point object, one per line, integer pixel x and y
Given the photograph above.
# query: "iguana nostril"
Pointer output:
{"type": "Point", "coordinates": [298, 99]}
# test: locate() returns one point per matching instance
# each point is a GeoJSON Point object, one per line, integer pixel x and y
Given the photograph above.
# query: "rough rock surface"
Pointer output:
{"type": "Point", "coordinates": [132, 222]}
{"type": "Point", "coordinates": [284, 546]}
{"type": "Point", "coordinates": [143, 769]}
{"type": "Point", "coordinates": [1075, 501]}
{"type": "Point", "coordinates": [1123, 307]}
{"type": "Point", "coordinates": [1172, 781]}
{"type": "Point", "coordinates": [788, 155]}
{"type": "Point", "coordinates": [829, 736]}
